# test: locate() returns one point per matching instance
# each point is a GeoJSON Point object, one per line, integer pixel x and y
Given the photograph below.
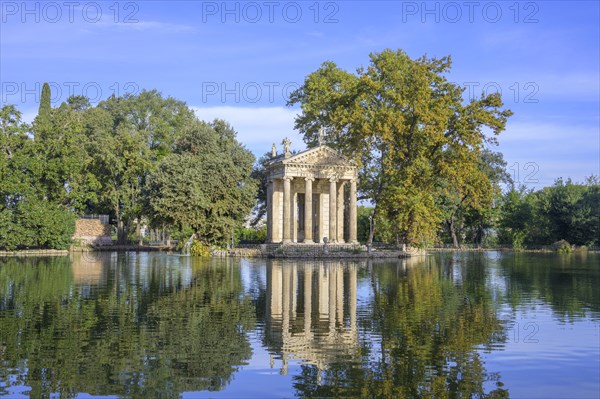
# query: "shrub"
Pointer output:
{"type": "Point", "coordinates": [562, 247]}
{"type": "Point", "coordinates": [199, 249]}
{"type": "Point", "coordinates": [35, 223]}
{"type": "Point", "coordinates": [518, 238]}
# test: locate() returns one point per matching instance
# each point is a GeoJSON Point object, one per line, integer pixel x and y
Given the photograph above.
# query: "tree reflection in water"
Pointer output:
{"type": "Point", "coordinates": [156, 325]}
{"type": "Point", "coordinates": [133, 326]}
{"type": "Point", "coordinates": [416, 338]}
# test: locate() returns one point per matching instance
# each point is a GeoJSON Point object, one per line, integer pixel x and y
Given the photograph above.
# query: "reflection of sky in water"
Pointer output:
{"type": "Point", "coordinates": [545, 357]}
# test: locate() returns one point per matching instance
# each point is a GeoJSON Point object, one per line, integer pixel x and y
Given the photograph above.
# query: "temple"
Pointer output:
{"type": "Point", "coordinates": [311, 196]}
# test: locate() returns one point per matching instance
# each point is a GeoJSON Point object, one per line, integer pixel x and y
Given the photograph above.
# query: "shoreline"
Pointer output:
{"type": "Point", "coordinates": [260, 251]}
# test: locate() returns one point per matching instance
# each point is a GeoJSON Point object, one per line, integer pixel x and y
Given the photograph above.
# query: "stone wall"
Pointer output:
{"type": "Point", "coordinates": [92, 232]}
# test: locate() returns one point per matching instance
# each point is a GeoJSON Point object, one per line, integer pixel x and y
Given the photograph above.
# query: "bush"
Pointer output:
{"type": "Point", "coordinates": [562, 247]}
{"type": "Point", "coordinates": [34, 223]}
{"type": "Point", "coordinates": [518, 238]}
{"type": "Point", "coordinates": [199, 249]}
{"type": "Point", "coordinates": [247, 235]}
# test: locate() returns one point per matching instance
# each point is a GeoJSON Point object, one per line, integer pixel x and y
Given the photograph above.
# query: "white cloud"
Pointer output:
{"type": "Point", "coordinates": [258, 128]}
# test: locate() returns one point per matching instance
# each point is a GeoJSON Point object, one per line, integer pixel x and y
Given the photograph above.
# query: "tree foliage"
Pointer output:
{"type": "Point", "coordinates": [411, 132]}
{"type": "Point", "coordinates": [28, 217]}
{"type": "Point", "coordinates": [205, 183]}
{"type": "Point", "coordinates": [79, 158]}
{"type": "Point", "coordinates": [565, 211]}
{"type": "Point", "coordinates": [259, 174]}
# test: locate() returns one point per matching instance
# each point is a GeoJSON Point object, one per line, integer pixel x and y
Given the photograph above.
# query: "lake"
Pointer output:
{"type": "Point", "coordinates": [490, 324]}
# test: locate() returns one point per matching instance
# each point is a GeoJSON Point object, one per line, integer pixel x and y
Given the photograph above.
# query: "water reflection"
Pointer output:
{"type": "Point", "coordinates": [422, 330]}
{"type": "Point", "coordinates": [136, 326]}
{"type": "Point", "coordinates": [157, 325]}
{"type": "Point", "coordinates": [312, 311]}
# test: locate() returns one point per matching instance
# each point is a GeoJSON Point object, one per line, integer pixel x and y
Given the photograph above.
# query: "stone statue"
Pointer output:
{"type": "Point", "coordinates": [273, 151]}
{"type": "Point", "coordinates": [286, 147]}
{"type": "Point", "coordinates": [321, 135]}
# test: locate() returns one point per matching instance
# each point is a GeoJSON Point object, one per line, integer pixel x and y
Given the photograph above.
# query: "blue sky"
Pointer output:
{"type": "Point", "coordinates": [238, 61]}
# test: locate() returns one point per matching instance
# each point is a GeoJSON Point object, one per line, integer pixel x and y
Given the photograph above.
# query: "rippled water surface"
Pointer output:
{"type": "Point", "coordinates": [157, 325]}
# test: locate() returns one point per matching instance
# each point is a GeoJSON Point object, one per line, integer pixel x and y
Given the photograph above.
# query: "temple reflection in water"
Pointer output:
{"type": "Point", "coordinates": [311, 308]}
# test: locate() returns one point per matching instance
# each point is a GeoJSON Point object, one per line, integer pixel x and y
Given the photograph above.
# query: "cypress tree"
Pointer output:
{"type": "Point", "coordinates": [43, 117]}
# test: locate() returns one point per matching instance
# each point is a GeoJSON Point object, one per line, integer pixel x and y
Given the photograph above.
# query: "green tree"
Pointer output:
{"type": "Point", "coordinates": [78, 103]}
{"type": "Point", "coordinates": [205, 184]}
{"type": "Point", "coordinates": [43, 116]}
{"type": "Point", "coordinates": [468, 206]}
{"type": "Point", "coordinates": [129, 136]}
{"type": "Point", "coordinates": [565, 211]}
{"type": "Point", "coordinates": [407, 126]}
{"type": "Point", "coordinates": [571, 211]}
{"type": "Point", "coordinates": [61, 151]}
{"type": "Point", "coordinates": [259, 174]}
{"type": "Point", "coordinates": [517, 215]}
{"type": "Point", "coordinates": [27, 218]}
{"type": "Point", "coordinates": [16, 168]}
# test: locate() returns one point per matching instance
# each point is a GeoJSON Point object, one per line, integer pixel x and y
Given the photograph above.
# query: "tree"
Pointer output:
{"type": "Point", "coordinates": [468, 204]}
{"type": "Point", "coordinates": [43, 117]}
{"type": "Point", "coordinates": [407, 127]}
{"type": "Point", "coordinates": [15, 148]}
{"type": "Point", "coordinates": [571, 211]}
{"type": "Point", "coordinates": [259, 174]}
{"type": "Point", "coordinates": [129, 136]}
{"type": "Point", "coordinates": [517, 215]}
{"type": "Point", "coordinates": [28, 219]}
{"type": "Point", "coordinates": [78, 103]}
{"type": "Point", "coordinates": [565, 211]}
{"type": "Point", "coordinates": [205, 184]}
{"type": "Point", "coordinates": [60, 150]}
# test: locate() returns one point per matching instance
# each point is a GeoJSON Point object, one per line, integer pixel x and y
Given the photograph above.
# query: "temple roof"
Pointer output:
{"type": "Point", "coordinates": [317, 156]}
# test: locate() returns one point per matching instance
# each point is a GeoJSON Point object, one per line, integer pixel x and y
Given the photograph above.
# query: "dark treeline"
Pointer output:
{"type": "Point", "coordinates": [143, 159]}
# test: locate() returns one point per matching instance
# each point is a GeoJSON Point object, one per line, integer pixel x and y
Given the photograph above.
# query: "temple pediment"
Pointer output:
{"type": "Point", "coordinates": [319, 156]}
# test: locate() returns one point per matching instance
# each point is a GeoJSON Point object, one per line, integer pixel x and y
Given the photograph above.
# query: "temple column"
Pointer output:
{"type": "Point", "coordinates": [276, 211]}
{"type": "Point", "coordinates": [308, 211]}
{"type": "Point", "coordinates": [293, 213]}
{"type": "Point", "coordinates": [319, 219]}
{"type": "Point", "coordinates": [332, 210]}
{"type": "Point", "coordinates": [270, 211]}
{"type": "Point", "coordinates": [340, 213]}
{"type": "Point", "coordinates": [287, 201]}
{"type": "Point", "coordinates": [352, 216]}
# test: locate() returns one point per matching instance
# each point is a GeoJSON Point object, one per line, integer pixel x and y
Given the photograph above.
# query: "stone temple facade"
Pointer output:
{"type": "Point", "coordinates": [311, 195]}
